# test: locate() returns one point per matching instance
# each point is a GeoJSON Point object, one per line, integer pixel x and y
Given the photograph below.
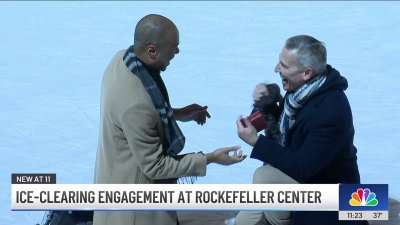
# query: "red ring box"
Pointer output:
{"type": "Point", "coordinates": [257, 120]}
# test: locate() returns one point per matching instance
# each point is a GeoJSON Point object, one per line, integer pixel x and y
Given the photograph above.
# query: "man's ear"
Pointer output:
{"type": "Point", "coordinates": [151, 51]}
{"type": "Point", "coordinates": [308, 74]}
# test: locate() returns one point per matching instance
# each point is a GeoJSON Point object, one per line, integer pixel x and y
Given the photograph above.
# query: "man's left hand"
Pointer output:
{"type": "Point", "coordinates": [191, 112]}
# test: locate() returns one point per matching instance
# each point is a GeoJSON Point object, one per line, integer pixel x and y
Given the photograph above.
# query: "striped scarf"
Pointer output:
{"type": "Point", "coordinates": [174, 135]}
{"type": "Point", "coordinates": [294, 102]}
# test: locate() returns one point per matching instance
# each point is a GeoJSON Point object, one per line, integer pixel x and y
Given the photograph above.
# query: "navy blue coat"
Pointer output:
{"type": "Point", "coordinates": [320, 146]}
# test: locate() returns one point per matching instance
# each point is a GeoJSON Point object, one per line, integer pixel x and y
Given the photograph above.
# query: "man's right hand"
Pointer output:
{"type": "Point", "coordinates": [248, 134]}
{"type": "Point", "coordinates": [221, 156]}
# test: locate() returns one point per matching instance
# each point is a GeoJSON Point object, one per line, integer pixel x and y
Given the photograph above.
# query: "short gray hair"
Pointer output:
{"type": "Point", "coordinates": [311, 53]}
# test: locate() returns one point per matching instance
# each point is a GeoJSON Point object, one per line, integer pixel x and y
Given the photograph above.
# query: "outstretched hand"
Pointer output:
{"type": "Point", "coordinates": [221, 156]}
{"type": "Point", "coordinates": [191, 112]}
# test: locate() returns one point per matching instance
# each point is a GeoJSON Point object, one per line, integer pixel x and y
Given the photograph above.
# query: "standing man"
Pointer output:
{"type": "Point", "coordinates": [317, 132]}
{"type": "Point", "coordinates": [140, 140]}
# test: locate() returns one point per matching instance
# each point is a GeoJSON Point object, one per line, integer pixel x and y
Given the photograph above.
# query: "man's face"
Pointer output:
{"type": "Point", "coordinates": [167, 49]}
{"type": "Point", "coordinates": [292, 76]}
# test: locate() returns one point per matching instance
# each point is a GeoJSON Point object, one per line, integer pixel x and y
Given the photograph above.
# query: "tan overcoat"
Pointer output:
{"type": "Point", "coordinates": [130, 149]}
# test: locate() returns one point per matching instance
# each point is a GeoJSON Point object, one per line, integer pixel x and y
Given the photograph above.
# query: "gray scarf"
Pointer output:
{"type": "Point", "coordinates": [295, 101]}
{"type": "Point", "coordinates": [174, 135]}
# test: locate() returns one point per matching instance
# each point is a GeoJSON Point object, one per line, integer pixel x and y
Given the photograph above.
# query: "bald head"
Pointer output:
{"type": "Point", "coordinates": [156, 41]}
{"type": "Point", "coordinates": [152, 29]}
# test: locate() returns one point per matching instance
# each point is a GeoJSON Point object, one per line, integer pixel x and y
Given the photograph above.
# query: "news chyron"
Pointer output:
{"type": "Point", "coordinates": [353, 201]}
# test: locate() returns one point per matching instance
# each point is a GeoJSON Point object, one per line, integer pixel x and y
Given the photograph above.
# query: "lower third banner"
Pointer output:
{"type": "Point", "coordinates": [294, 197]}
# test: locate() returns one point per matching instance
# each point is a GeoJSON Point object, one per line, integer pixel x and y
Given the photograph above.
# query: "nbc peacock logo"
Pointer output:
{"type": "Point", "coordinates": [363, 197]}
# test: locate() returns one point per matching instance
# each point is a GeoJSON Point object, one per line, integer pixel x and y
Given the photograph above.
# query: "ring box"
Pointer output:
{"type": "Point", "coordinates": [257, 120]}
